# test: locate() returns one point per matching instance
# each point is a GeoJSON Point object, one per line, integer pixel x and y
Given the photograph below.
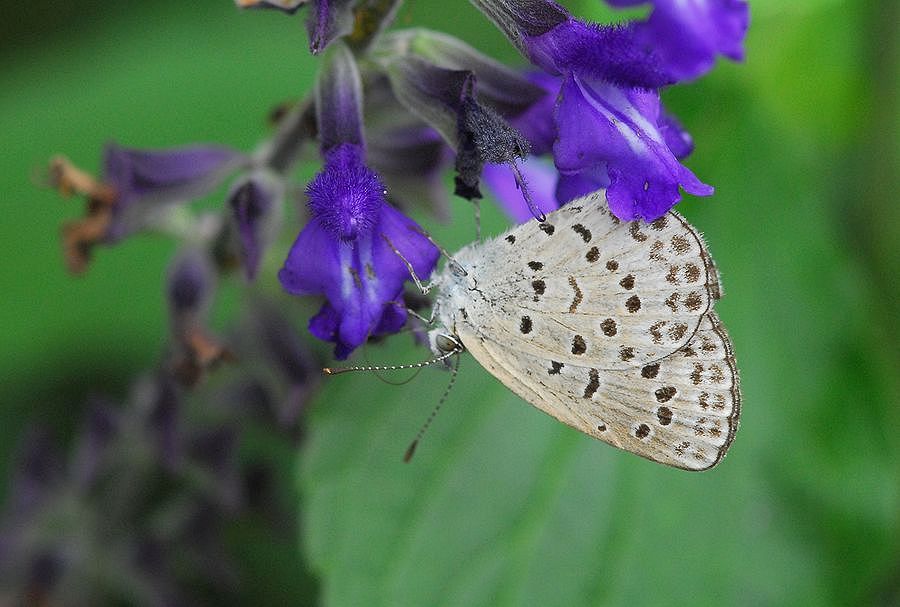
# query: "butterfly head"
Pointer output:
{"type": "Point", "coordinates": [442, 342]}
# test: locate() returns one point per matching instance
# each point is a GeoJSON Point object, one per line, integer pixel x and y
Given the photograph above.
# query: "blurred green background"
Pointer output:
{"type": "Point", "coordinates": [502, 506]}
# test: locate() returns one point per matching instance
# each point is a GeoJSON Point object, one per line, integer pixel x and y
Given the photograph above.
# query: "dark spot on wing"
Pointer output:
{"type": "Point", "coordinates": [582, 231]}
{"type": "Point", "coordinates": [672, 301]}
{"type": "Point", "coordinates": [626, 353]}
{"type": "Point", "coordinates": [655, 333]}
{"type": "Point", "coordinates": [578, 295]}
{"type": "Point", "coordinates": [635, 230]}
{"type": "Point", "coordinates": [650, 371]}
{"type": "Point", "coordinates": [660, 224]}
{"type": "Point", "coordinates": [511, 239]}
{"type": "Point", "coordinates": [664, 414]}
{"type": "Point", "coordinates": [612, 265]}
{"type": "Point", "coordinates": [680, 244]}
{"type": "Point", "coordinates": [627, 283]}
{"type": "Point", "coordinates": [555, 368]}
{"type": "Point", "coordinates": [535, 265]}
{"type": "Point", "coordinates": [697, 374]}
{"type": "Point", "coordinates": [703, 400]}
{"type": "Point", "coordinates": [593, 384]}
{"type": "Point", "coordinates": [547, 228]}
{"type": "Point", "coordinates": [539, 287]}
{"type": "Point", "coordinates": [692, 272]}
{"type": "Point", "coordinates": [677, 331]}
{"type": "Point", "coordinates": [672, 276]}
{"type": "Point", "coordinates": [578, 345]}
{"type": "Point", "coordinates": [664, 395]}
{"type": "Point", "coordinates": [593, 254]}
{"type": "Point", "coordinates": [602, 427]}
{"type": "Point", "coordinates": [693, 301]}
{"type": "Point", "coordinates": [633, 304]}
{"type": "Point", "coordinates": [642, 431]}
{"type": "Point", "coordinates": [608, 327]}
{"type": "Point", "coordinates": [525, 325]}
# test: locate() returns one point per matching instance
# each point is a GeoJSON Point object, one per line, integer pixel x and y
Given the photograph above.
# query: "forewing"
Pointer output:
{"type": "Point", "coordinates": [681, 411]}
{"type": "Point", "coordinates": [592, 288]}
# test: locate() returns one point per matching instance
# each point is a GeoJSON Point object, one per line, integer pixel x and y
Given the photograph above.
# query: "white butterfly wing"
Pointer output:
{"type": "Point", "coordinates": [591, 288]}
{"type": "Point", "coordinates": [682, 410]}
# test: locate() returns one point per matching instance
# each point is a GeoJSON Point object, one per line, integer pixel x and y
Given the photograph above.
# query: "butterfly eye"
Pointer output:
{"type": "Point", "coordinates": [445, 343]}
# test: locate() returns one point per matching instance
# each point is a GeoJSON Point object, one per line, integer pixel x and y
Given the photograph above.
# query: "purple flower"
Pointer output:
{"type": "Point", "coordinates": [604, 126]}
{"type": "Point", "coordinates": [687, 36]}
{"type": "Point", "coordinates": [343, 254]}
{"type": "Point", "coordinates": [327, 19]}
{"type": "Point", "coordinates": [136, 185]}
{"type": "Point", "coordinates": [158, 177]}
{"type": "Point", "coordinates": [255, 204]}
{"type": "Point", "coordinates": [609, 131]}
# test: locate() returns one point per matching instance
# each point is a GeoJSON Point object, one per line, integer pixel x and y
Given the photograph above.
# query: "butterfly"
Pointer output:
{"type": "Point", "coordinates": [606, 325]}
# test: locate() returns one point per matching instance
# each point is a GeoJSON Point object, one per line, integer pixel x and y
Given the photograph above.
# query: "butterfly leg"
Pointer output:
{"type": "Point", "coordinates": [423, 287]}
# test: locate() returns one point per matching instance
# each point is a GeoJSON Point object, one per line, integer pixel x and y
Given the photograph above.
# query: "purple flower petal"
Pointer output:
{"type": "Point", "coordinates": [327, 21]}
{"type": "Point", "coordinates": [575, 185]}
{"type": "Point", "coordinates": [689, 35]}
{"type": "Point", "coordinates": [678, 140]}
{"type": "Point", "coordinates": [540, 177]}
{"type": "Point", "coordinates": [601, 124]}
{"type": "Point", "coordinates": [613, 53]}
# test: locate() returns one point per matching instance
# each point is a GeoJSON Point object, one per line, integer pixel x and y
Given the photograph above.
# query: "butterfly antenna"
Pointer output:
{"type": "Point", "coordinates": [436, 359]}
{"type": "Point", "coordinates": [411, 450]}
